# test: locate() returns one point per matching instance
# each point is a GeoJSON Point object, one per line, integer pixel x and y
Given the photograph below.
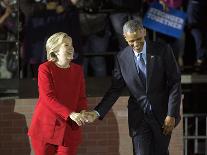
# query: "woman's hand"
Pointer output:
{"type": "Point", "coordinates": [78, 118]}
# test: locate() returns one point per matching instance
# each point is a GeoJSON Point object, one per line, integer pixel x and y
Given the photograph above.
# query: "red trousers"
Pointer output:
{"type": "Point", "coordinates": [42, 148]}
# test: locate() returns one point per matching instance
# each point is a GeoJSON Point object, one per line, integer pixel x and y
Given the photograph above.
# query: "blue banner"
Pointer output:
{"type": "Point", "coordinates": [170, 23]}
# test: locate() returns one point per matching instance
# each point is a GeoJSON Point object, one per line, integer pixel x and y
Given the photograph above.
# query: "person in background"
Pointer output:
{"type": "Point", "coordinates": [45, 20]}
{"type": "Point", "coordinates": [55, 126]}
{"type": "Point", "coordinates": [95, 34]}
{"type": "Point", "coordinates": [197, 13]}
{"type": "Point", "coordinates": [177, 44]}
{"type": "Point", "coordinates": [4, 13]}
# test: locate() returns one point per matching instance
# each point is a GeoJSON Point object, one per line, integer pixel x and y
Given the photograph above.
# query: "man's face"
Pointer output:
{"type": "Point", "coordinates": [136, 39]}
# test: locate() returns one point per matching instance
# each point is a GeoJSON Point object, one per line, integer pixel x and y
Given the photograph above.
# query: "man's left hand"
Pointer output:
{"type": "Point", "coordinates": [168, 125]}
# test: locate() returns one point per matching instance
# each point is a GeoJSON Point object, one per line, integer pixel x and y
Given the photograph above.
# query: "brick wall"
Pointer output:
{"type": "Point", "coordinates": [106, 137]}
{"type": "Point", "coordinates": [13, 128]}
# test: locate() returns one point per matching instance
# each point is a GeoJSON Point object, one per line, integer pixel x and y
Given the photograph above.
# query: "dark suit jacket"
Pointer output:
{"type": "Point", "coordinates": [162, 91]}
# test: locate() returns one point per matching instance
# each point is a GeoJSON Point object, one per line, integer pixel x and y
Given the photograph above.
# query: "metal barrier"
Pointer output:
{"type": "Point", "coordinates": [195, 134]}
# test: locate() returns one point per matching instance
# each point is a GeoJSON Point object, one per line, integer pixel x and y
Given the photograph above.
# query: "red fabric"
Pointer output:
{"type": "Point", "coordinates": [61, 91]}
{"type": "Point", "coordinates": [173, 3]}
{"type": "Point", "coordinates": [170, 3]}
{"type": "Point", "coordinates": [42, 148]}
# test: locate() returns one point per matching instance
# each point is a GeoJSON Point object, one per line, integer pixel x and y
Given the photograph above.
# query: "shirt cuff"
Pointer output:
{"type": "Point", "coordinates": [97, 113]}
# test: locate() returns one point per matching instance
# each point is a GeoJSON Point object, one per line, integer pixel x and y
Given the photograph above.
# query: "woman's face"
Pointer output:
{"type": "Point", "coordinates": [66, 51]}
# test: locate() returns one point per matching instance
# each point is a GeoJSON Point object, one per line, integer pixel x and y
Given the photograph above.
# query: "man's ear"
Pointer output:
{"type": "Point", "coordinates": [144, 32]}
{"type": "Point", "coordinates": [125, 37]}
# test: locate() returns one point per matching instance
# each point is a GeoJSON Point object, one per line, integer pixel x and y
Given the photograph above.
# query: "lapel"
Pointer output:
{"type": "Point", "coordinates": [150, 63]}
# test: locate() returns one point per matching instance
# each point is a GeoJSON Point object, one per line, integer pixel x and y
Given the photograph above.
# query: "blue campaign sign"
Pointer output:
{"type": "Point", "coordinates": [170, 23]}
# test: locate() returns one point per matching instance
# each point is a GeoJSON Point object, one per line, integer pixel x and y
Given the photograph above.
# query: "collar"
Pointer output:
{"type": "Point", "coordinates": [143, 52]}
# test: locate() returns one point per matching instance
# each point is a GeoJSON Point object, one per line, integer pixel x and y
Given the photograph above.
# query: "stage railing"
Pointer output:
{"type": "Point", "coordinates": [195, 133]}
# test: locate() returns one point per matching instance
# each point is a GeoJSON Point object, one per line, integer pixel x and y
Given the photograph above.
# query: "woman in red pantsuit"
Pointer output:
{"type": "Point", "coordinates": [55, 126]}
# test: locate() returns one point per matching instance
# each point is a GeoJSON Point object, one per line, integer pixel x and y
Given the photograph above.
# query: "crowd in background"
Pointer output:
{"type": "Point", "coordinates": [96, 29]}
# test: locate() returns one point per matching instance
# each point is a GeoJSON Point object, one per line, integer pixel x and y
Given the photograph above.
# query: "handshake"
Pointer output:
{"type": "Point", "coordinates": [84, 117]}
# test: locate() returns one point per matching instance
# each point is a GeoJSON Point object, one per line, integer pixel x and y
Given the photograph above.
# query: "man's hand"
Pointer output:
{"type": "Point", "coordinates": [90, 116]}
{"type": "Point", "coordinates": [78, 118]}
{"type": "Point", "coordinates": [164, 6]}
{"type": "Point", "coordinates": [168, 125]}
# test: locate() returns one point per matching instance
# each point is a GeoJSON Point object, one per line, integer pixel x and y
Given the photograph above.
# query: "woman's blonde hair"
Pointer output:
{"type": "Point", "coordinates": [53, 44]}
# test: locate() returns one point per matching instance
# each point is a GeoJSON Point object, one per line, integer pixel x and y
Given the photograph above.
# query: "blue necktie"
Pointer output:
{"type": "Point", "coordinates": [141, 68]}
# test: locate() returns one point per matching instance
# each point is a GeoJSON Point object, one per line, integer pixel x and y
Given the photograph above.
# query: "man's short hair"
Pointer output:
{"type": "Point", "coordinates": [132, 26]}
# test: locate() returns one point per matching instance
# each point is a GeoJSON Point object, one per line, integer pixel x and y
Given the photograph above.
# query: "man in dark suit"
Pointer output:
{"type": "Point", "coordinates": [149, 71]}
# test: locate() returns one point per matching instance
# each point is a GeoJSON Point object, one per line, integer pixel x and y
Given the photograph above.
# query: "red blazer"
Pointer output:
{"type": "Point", "coordinates": [61, 91]}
